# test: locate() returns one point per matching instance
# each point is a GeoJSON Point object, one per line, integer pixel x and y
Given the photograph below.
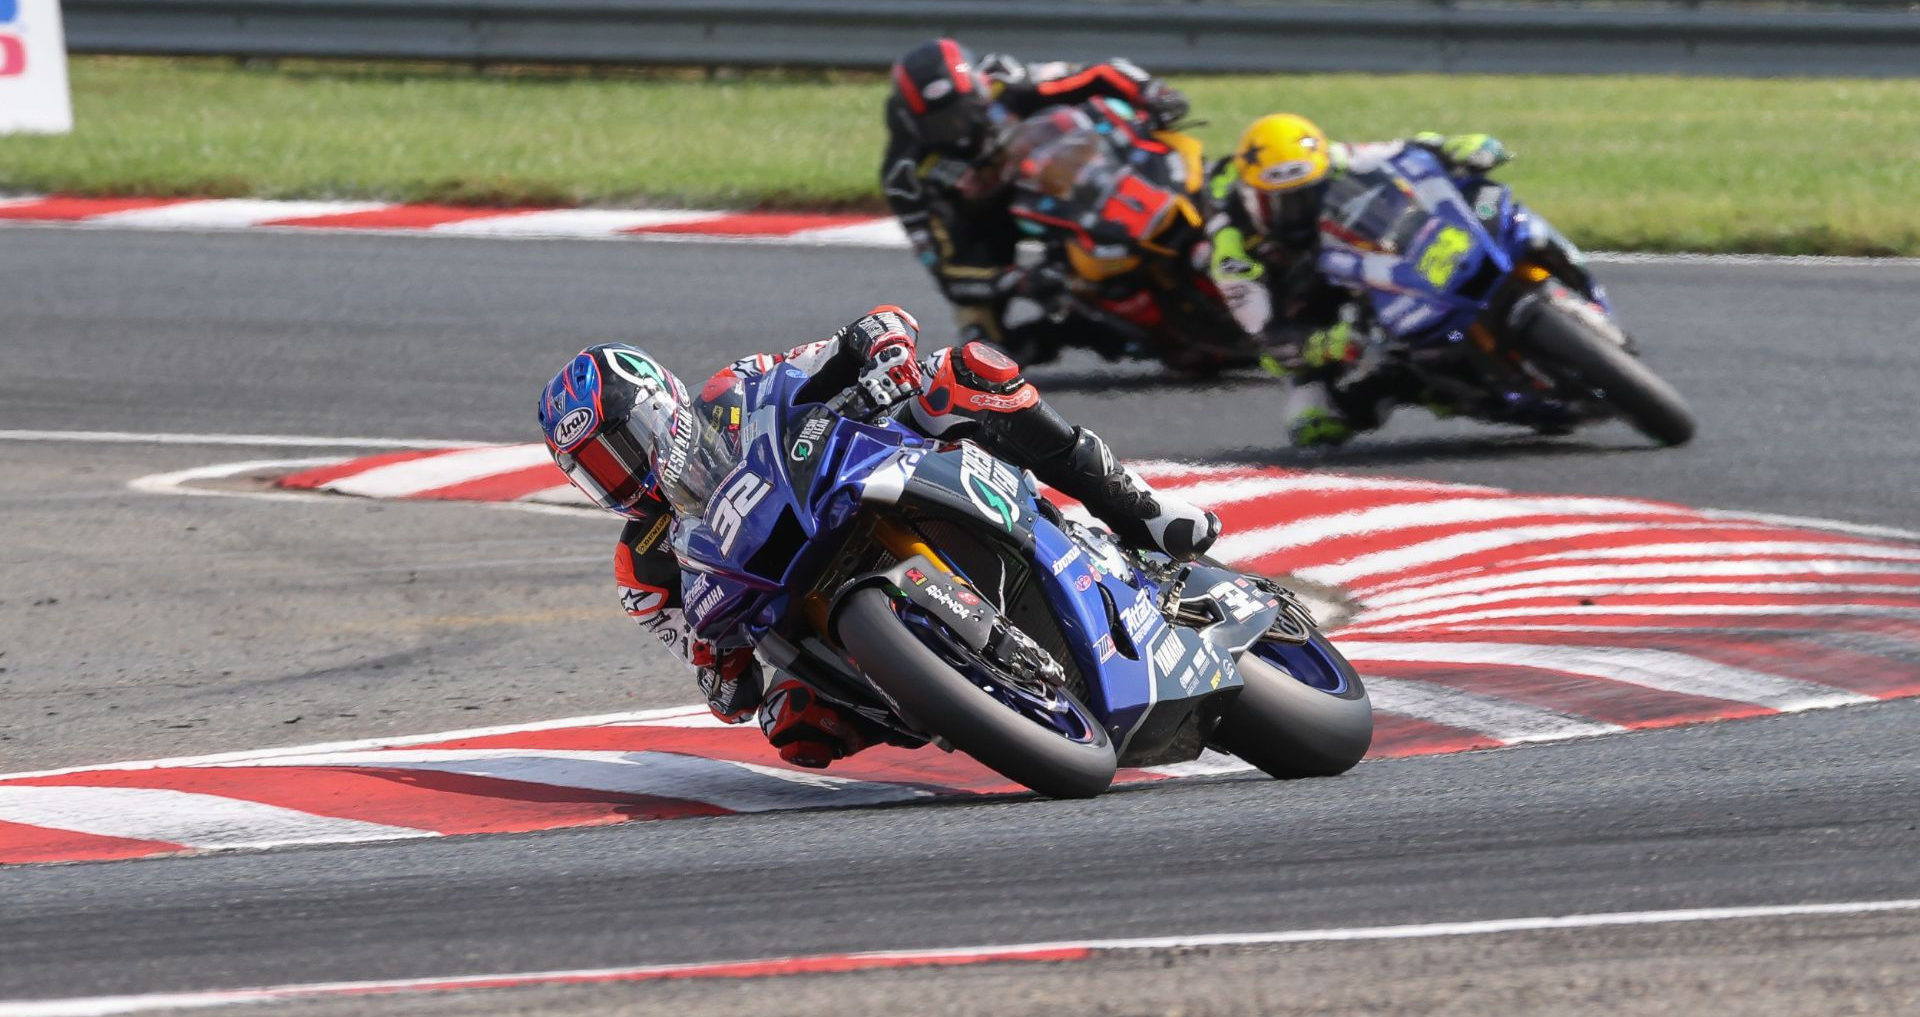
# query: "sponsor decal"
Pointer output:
{"type": "Point", "coordinates": [990, 484]}
{"type": "Point", "coordinates": [645, 543]}
{"type": "Point", "coordinates": [1217, 679]}
{"type": "Point", "coordinates": [703, 596]}
{"type": "Point", "coordinates": [916, 577]}
{"type": "Point", "coordinates": [967, 596]}
{"type": "Point", "coordinates": [947, 599]}
{"type": "Point", "coordinates": [1190, 678]}
{"type": "Point", "coordinates": [737, 498]}
{"type": "Point", "coordinates": [810, 432]}
{"type": "Point", "coordinates": [1140, 617]}
{"type": "Point", "coordinates": [1104, 646]}
{"type": "Point", "coordinates": [1167, 653]}
{"type": "Point", "coordinates": [1019, 400]}
{"type": "Point", "coordinates": [573, 427]}
{"type": "Point", "coordinates": [1083, 582]}
{"type": "Point", "coordinates": [1060, 564]}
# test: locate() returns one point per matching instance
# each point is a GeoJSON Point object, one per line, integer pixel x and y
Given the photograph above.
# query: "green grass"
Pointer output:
{"type": "Point", "coordinates": [1626, 163]}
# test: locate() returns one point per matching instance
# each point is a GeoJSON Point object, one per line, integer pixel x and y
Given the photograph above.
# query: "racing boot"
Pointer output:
{"type": "Point", "coordinates": [1115, 495]}
{"type": "Point", "coordinates": [1314, 419]}
{"type": "Point", "coordinates": [808, 730]}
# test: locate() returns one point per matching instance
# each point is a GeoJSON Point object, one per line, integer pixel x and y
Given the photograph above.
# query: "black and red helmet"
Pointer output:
{"type": "Point", "coordinates": [946, 101]}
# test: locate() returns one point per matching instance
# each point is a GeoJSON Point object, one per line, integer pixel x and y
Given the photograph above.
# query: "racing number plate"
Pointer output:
{"type": "Point", "coordinates": [1442, 255]}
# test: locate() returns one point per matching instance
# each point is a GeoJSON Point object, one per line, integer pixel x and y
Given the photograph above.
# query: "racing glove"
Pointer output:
{"type": "Point", "coordinates": [1166, 105]}
{"type": "Point", "coordinates": [891, 373]}
{"type": "Point", "coordinates": [1330, 346]}
{"type": "Point", "coordinates": [730, 679]}
{"type": "Point", "coordinates": [1480, 153]}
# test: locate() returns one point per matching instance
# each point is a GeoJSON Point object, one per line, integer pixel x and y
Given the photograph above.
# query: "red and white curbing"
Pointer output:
{"type": "Point", "coordinates": [1484, 618]}
{"type": "Point", "coordinates": [220, 214]}
{"type": "Point", "coordinates": [801, 229]}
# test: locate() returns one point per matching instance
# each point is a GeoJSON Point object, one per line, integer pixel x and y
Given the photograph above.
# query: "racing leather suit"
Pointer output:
{"type": "Point", "coordinates": [955, 211]}
{"type": "Point", "coordinates": [972, 392]}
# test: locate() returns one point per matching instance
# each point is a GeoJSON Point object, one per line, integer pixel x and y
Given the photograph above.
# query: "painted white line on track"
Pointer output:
{"type": "Point", "coordinates": [404, 479]}
{"type": "Point", "coordinates": [205, 822]}
{"type": "Point", "coordinates": [183, 481]}
{"type": "Point", "coordinates": [1663, 670]}
{"type": "Point", "coordinates": [259, 440]}
{"type": "Point", "coordinates": [267, 756]}
{"type": "Point", "coordinates": [1059, 951]}
{"type": "Point", "coordinates": [227, 213]}
{"type": "Point", "coordinates": [1500, 719]}
{"type": "Point", "coordinates": [1440, 622]}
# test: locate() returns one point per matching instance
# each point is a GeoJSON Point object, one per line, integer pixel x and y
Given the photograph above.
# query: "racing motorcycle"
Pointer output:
{"type": "Point", "coordinates": [933, 590]}
{"type": "Point", "coordinates": [1481, 303]}
{"type": "Point", "coordinates": [1116, 214]}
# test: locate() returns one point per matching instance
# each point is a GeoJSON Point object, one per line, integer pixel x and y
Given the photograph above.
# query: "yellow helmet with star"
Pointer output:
{"type": "Point", "coordinates": [1282, 152]}
{"type": "Point", "coordinates": [1279, 161]}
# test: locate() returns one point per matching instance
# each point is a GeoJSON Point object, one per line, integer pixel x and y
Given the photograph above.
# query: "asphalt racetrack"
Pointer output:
{"type": "Point", "coordinates": [136, 625]}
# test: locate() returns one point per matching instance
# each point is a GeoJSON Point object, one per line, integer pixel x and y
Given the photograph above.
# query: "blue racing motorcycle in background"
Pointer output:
{"type": "Point", "coordinates": [1483, 305]}
{"type": "Point", "coordinates": [932, 589]}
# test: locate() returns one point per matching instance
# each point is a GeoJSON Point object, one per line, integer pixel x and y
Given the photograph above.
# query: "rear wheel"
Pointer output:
{"type": "Point", "coordinates": [1303, 713]}
{"type": "Point", "coordinates": [1644, 398]}
{"type": "Point", "coordinates": [1063, 756]}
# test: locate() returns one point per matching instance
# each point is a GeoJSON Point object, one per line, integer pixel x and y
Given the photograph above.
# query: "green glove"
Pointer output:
{"type": "Point", "coordinates": [1477, 152]}
{"type": "Point", "coordinates": [1330, 345]}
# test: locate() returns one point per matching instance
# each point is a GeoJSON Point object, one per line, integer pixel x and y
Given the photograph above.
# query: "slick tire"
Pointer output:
{"type": "Point", "coordinates": [1290, 729]}
{"type": "Point", "coordinates": [1642, 397]}
{"type": "Point", "coordinates": [975, 723]}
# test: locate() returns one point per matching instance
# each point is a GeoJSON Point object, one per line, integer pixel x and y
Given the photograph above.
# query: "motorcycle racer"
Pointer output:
{"type": "Point", "coordinates": [1265, 237]}
{"type": "Point", "coordinates": [948, 117]}
{"type": "Point", "coordinates": [626, 432]}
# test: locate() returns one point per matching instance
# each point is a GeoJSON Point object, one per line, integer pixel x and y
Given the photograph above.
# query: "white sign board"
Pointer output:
{"type": "Point", "coordinates": [33, 68]}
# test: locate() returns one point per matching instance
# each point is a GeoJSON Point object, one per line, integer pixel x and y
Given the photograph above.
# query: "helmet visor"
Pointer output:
{"type": "Point", "coordinates": [611, 468]}
{"type": "Point", "coordinates": [959, 129]}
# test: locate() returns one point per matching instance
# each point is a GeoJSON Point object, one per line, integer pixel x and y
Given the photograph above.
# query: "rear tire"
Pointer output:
{"type": "Point", "coordinates": [1290, 729]}
{"type": "Point", "coordinates": [1644, 398]}
{"type": "Point", "coordinates": [949, 705]}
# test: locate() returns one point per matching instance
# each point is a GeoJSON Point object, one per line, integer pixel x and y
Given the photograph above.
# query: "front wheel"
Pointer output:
{"type": "Point", "coordinates": [1074, 763]}
{"type": "Point", "coordinates": [1303, 712]}
{"type": "Point", "coordinates": [1644, 398]}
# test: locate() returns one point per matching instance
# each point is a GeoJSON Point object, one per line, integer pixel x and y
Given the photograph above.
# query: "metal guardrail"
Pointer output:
{"type": "Point", "coordinates": [1167, 35]}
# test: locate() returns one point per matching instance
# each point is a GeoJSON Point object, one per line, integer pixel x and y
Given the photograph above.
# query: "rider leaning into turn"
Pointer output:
{"type": "Point", "coordinates": [947, 119]}
{"type": "Point", "coordinates": [1265, 240]}
{"type": "Point", "coordinates": [624, 431]}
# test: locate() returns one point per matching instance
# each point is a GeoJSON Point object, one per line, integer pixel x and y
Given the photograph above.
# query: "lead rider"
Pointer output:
{"type": "Point", "coordinates": [625, 431]}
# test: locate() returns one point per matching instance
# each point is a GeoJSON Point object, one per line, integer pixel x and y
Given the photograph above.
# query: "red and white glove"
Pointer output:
{"type": "Point", "coordinates": [731, 680]}
{"type": "Point", "coordinates": [892, 372]}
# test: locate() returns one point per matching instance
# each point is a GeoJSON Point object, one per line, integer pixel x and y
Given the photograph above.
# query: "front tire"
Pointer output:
{"type": "Point", "coordinates": [1644, 398]}
{"type": "Point", "coordinates": [1290, 728]}
{"type": "Point", "coordinates": [944, 702]}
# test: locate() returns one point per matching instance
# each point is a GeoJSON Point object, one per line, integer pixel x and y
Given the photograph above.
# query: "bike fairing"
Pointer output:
{"type": "Point", "coordinates": [780, 517]}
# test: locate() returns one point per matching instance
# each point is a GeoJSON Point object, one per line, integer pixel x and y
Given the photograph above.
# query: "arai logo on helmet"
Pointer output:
{"type": "Point", "coordinates": [937, 90]}
{"type": "Point", "coordinates": [573, 427]}
{"type": "Point", "coordinates": [1282, 173]}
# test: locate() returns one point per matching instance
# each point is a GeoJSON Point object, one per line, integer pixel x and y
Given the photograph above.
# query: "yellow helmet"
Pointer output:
{"type": "Point", "coordinates": [1280, 159]}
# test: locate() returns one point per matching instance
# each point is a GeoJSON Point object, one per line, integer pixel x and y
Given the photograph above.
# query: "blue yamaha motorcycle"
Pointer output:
{"type": "Point", "coordinates": [1481, 303]}
{"type": "Point", "coordinates": [930, 588]}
